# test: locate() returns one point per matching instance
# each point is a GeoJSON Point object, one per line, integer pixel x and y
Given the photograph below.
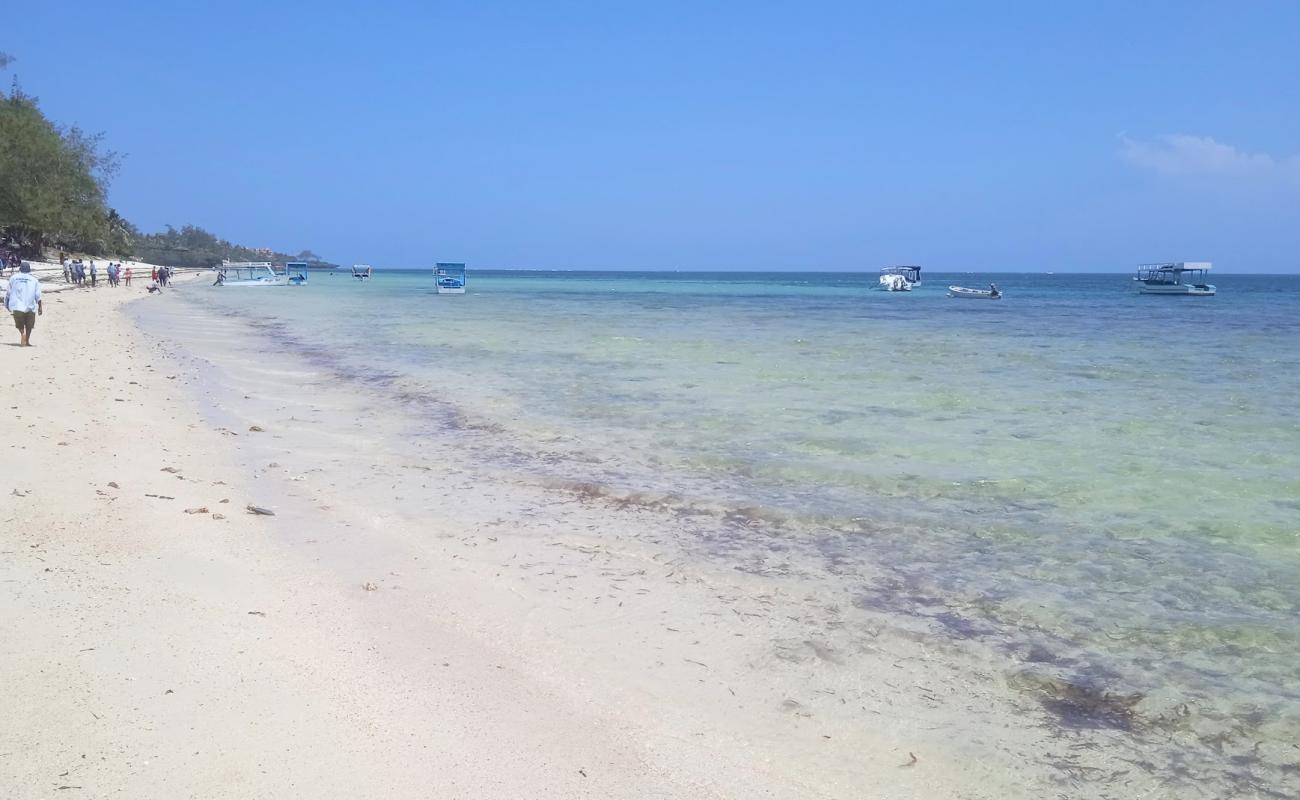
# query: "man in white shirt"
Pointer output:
{"type": "Point", "coordinates": [24, 301]}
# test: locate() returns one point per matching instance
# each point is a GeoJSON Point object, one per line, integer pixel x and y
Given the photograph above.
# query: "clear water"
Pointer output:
{"type": "Point", "coordinates": [1110, 478]}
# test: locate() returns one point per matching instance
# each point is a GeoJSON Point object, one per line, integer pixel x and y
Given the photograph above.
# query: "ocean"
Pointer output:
{"type": "Point", "coordinates": [1104, 486]}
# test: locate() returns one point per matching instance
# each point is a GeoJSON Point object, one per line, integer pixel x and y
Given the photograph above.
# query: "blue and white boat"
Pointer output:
{"type": "Point", "coordinates": [451, 277]}
{"type": "Point", "coordinates": [900, 279]}
{"type": "Point", "coordinates": [362, 272]}
{"type": "Point", "coordinates": [1167, 278]}
{"type": "Point", "coordinates": [297, 272]}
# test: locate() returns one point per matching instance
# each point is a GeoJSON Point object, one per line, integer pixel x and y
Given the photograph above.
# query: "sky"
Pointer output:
{"type": "Point", "coordinates": [694, 135]}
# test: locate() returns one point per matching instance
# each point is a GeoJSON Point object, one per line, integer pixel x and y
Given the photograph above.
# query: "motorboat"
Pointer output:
{"type": "Point", "coordinates": [450, 277]}
{"type": "Point", "coordinates": [1167, 278]}
{"type": "Point", "coordinates": [249, 273]}
{"type": "Point", "coordinates": [991, 293]}
{"type": "Point", "coordinates": [297, 272]}
{"type": "Point", "coordinates": [362, 272]}
{"type": "Point", "coordinates": [900, 278]}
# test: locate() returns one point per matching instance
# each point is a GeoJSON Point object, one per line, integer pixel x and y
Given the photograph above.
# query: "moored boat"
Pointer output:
{"type": "Point", "coordinates": [1167, 278]}
{"type": "Point", "coordinates": [362, 272]}
{"type": "Point", "coordinates": [991, 293]}
{"type": "Point", "coordinates": [249, 273]}
{"type": "Point", "coordinates": [450, 277]}
{"type": "Point", "coordinates": [296, 272]}
{"type": "Point", "coordinates": [900, 278]}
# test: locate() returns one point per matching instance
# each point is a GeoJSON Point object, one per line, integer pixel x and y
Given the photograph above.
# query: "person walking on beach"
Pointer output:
{"type": "Point", "coordinates": [24, 302]}
{"type": "Point", "coordinates": [127, 276]}
{"type": "Point", "coordinates": [94, 274]}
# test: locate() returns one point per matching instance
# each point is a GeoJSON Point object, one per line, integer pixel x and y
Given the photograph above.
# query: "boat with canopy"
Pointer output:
{"type": "Point", "coordinates": [1167, 278]}
{"type": "Point", "coordinates": [450, 277]}
{"type": "Point", "coordinates": [249, 273]}
{"type": "Point", "coordinates": [900, 278]}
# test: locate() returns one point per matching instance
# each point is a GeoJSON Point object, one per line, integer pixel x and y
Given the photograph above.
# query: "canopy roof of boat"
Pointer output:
{"type": "Point", "coordinates": [1176, 266]}
{"type": "Point", "coordinates": [244, 264]}
{"type": "Point", "coordinates": [898, 270]}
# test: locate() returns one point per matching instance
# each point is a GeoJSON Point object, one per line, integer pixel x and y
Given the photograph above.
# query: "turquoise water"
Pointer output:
{"type": "Point", "coordinates": [1107, 479]}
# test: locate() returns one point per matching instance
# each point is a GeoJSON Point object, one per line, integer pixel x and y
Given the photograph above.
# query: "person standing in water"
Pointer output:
{"type": "Point", "coordinates": [24, 302]}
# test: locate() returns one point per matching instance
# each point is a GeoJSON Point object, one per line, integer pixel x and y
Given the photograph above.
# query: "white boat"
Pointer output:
{"type": "Point", "coordinates": [991, 293]}
{"type": "Point", "coordinates": [451, 277]}
{"type": "Point", "coordinates": [362, 271]}
{"type": "Point", "coordinates": [249, 273]}
{"type": "Point", "coordinates": [1167, 278]}
{"type": "Point", "coordinates": [900, 279]}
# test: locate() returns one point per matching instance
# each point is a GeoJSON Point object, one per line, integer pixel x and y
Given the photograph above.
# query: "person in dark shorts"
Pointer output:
{"type": "Point", "coordinates": [24, 302]}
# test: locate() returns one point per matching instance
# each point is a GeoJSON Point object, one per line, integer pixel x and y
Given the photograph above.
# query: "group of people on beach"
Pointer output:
{"type": "Point", "coordinates": [78, 273]}
{"type": "Point", "coordinates": [22, 295]}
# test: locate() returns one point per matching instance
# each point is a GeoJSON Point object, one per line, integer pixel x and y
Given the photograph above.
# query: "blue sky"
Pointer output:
{"type": "Point", "coordinates": [695, 135]}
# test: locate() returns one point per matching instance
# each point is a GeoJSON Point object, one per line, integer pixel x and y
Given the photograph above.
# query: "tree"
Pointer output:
{"type": "Point", "coordinates": [307, 255]}
{"type": "Point", "coordinates": [52, 180]}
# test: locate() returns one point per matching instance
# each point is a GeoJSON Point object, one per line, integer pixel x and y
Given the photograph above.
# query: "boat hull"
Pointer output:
{"type": "Point", "coordinates": [450, 290]}
{"type": "Point", "coordinates": [1178, 289]}
{"type": "Point", "coordinates": [267, 282]}
{"type": "Point", "coordinates": [963, 293]}
{"type": "Point", "coordinates": [896, 283]}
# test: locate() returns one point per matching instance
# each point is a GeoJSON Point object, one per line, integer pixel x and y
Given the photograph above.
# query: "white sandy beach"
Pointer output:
{"type": "Point", "coordinates": [370, 640]}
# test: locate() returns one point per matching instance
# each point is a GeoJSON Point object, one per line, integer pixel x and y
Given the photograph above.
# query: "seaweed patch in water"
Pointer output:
{"type": "Point", "coordinates": [1077, 703]}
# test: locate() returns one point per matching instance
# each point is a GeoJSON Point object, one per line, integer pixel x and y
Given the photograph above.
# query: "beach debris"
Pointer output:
{"type": "Point", "coordinates": [256, 429]}
{"type": "Point", "coordinates": [224, 500]}
{"type": "Point", "coordinates": [911, 761]}
{"type": "Point", "coordinates": [113, 485]}
{"type": "Point", "coordinates": [169, 691]}
{"type": "Point", "coordinates": [161, 496]}
{"type": "Point", "coordinates": [261, 512]}
{"type": "Point", "coordinates": [257, 613]}
{"type": "Point", "coordinates": [17, 493]}
{"type": "Point", "coordinates": [172, 470]}
{"type": "Point", "coordinates": [370, 586]}
{"type": "Point", "coordinates": [218, 516]}
{"type": "Point", "coordinates": [197, 510]}
{"type": "Point", "coordinates": [582, 772]}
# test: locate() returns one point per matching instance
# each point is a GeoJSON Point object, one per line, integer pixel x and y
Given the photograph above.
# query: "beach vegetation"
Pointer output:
{"type": "Point", "coordinates": [53, 195]}
{"type": "Point", "coordinates": [192, 246]}
{"type": "Point", "coordinates": [53, 180]}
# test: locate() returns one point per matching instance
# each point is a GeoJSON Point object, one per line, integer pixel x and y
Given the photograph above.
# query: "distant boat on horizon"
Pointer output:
{"type": "Point", "coordinates": [450, 277]}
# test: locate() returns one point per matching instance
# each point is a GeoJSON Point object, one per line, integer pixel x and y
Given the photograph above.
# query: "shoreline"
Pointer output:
{"type": "Point", "coordinates": [542, 627]}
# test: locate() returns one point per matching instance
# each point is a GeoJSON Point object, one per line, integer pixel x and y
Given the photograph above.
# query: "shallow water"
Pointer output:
{"type": "Point", "coordinates": [1104, 484]}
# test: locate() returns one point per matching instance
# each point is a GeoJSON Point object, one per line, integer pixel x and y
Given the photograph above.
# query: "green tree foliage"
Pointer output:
{"type": "Point", "coordinates": [52, 180]}
{"type": "Point", "coordinates": [53, 185]}
{"type": "Point", "coordinates": [192, 246]}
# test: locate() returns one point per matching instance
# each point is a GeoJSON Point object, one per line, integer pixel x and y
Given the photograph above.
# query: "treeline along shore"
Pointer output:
{"type": "Point", "coordinates": [54, 182]}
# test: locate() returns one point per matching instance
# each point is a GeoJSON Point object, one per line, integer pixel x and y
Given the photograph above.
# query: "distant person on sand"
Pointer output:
{"type": "Point", "coordinates": [153, 274]}
{"type": "Point", "coordinates": [126, 276]}
{"type": "Point", "coordinates": [24, 302]}
{"type": "Point", "coordinates": [154, 287]}
{"type": "Point", "coordinates": [94, 274]}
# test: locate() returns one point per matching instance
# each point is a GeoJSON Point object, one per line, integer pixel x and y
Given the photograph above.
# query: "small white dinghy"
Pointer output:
{"type": "Point", "coordinates": [991, 293]}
